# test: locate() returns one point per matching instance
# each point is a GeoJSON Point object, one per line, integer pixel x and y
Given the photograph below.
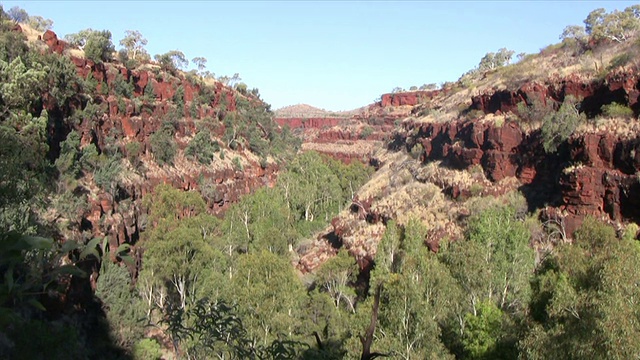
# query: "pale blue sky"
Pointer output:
{"type": "Point", "coordinates": [336, 55]}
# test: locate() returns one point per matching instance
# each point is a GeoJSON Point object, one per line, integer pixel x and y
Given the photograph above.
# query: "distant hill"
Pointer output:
{"type": "Point", "coordinates": [308, 111]}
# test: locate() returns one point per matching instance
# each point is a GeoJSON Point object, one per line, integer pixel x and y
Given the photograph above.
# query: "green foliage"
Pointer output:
{"type": "Point", "coordinates": [108, 175]}
{"type": "Point", "coordinates": [178, 98]}
{"type": "Point", "coordinates": [268, 295]}
{"type": "Point", "coordinates": [615, 26]}
{"type": "Point", "coordinates": [483, 331]}
{"type": "Point", "coordinates": [200, 63]}
{"type": "Point", "coordinates": [12, 43]}
{"type": "Point", "coordinates": [148, 91]}
{"type": "Point", "coordinates": [202, 147]}
{"type": "Point", "coordinates": [559, 126]}
{"type": "Point", "coordinates": [163, 144]}
{"type": "Point", "coordinates": [18, 14]}
{"type": "Point", "coordinates": [495, 60]}
{"type": "Point", "coordinates": [134, 44]}
{"type": "Point", "coordinates": [237, 164]}
{"type": "Point", "coordinates": [147, 349]}
{"type": "Point", "coordinates": [172, 60]}
{"type": "Point", "coordinates": [62, 82]}
{"type": "Point", "coordinates": [68, 162]}
{"type": "Point", "coordinates": [39, 23]}
{"type": "Point", "coordinates": [416, 151]}
{"type": "Point", "coordinates": [620, 60]}
{"type": "Point", "coordinates": [366, 132]}
{"type": "Point", "coordinates": [121, 87]}
{"type": "Point", "coordinates": [21, 85]}
{"type": "Point", "coordinates": [311, 189]}
{"type": "Point", "coordinates": [337, 277]}
{"type": "Point", "coordinates": [134, 151]}
{"type": "Point", "coordinates": [98, 46]}
{"type": "Point", "coordinates": [534, 111]}
{"type": "Point", "coordinates": [258, 222]}
{"type": "Point", "coordinates": [122, 306]}
{"type": "Point", "coordinates": [615, 110]}
{"type": "Point", "coordinates": [585, 299]}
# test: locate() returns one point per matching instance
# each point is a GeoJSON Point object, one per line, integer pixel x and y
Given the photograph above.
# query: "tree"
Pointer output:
{"type": "Point", "coordinates": [18, 14]}
{"type": "Point", "coordinates": [99, 47]}
{"type": "Point", "coordinates": [172, 60]}
{"type": "Point", "coordinates": [418, 294]}
{"type": "Point", "coordinates": [163, 144]}
{"type": "Point", "coordinates": [575, 33]}
{"type": "Point", "coordinates": [200, 63]}
{"type": "Point", "coordinates": [79, 39]}
{"type": "Point", "coordinates": [337, 277]}
{"type": "Point", "coordinates": [134, 43]}
{"type": "Point", "coordinates": [268, 295]}
{"type": "Point", "coordinates": [21, 85]}
{"type": "Point", "coordinates": [586, 299]}
{"type": "Point", "coordinates": [39, 23]}
{"type": "Point", "coordinates": [615, 26]}
{"type": "Point", "coordinates": [202, 147]}
{"type": "Point", "coordinates": [558, 126]}
{"type": "Point", "coordinates": [492, 60]}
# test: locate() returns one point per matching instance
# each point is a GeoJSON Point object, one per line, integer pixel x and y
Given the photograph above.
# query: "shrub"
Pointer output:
{"type": "Point", "coordinates": [416, 151]}
{"type": "Point", "coordinates": [147, 349]}
{"type": "Point", "coordinates": [99, 46]}
{"type": "Point", "coordinates": [615, 110]}
{"type": "Point", "coordinates": [366, 132]}
{"type": "Point", "coordinates": [133, 150]}
{"type": "Point", "coordinates": [202, 148]}
{"type": "Point", "coordinates": [122, 87]}
{"type": "Point", "coordinates": [535, 111]}
{"type": "Point", "coordinates": [237, 164]}
{"type": "Point", "coordinates": [620, 60]}
{"type": "Point", "coordinates": [558, 126]}
{"type": "Point", "coordinates": [148, 91]}
{"type": "Point", "coordinates": [163, 145]}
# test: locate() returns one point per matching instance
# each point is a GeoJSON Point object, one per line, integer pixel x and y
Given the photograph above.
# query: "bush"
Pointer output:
{"type": "Point", "coordinates": [122, 305]}
{"type": "Point", "coordinates": [122, 87]}
{"type": "Point", "coordinates": [558, 126]}
{"type": "Point", "coordinates": [163, 145]}
{"type": "Point", "coordinates": [202, 148]}
{"type": "Point", "coordinates": [416, 151]}
{"type": "Point", "coordinates": [237, 164]}
{"type": "Point", "coordinates": [620, 60]}
{"type": "Point", "coordinates": [366, 132]}
{"type": "Point", "coordinates": [147, 349]}
{"type": "Point", "coordinates": [133, 150]}
{"type": "Point", "coordinates": [99, 47]}
{"type": "Point", "coordinates": [615, 110]}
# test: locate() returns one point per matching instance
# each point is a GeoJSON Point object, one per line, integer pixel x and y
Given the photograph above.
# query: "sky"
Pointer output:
{"type": "Point", "coordinates": [335, 55]}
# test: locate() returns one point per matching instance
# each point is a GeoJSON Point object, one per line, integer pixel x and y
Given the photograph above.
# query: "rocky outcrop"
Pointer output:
{"type": "Point", "coordinates": [310, 123]}
{"type": "Point", "coordinates": [593, 174]}
{"type": "Point", "coordinates": [51, 39]}
{"type": "Point", "coordinates": [411, 98]}
{"type": "Point", "coordinates": [121, 120]}
{"type": "Point", "coordinates": [620, 86]}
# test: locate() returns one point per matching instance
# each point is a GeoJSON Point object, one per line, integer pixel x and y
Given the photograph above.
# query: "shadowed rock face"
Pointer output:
{"type": "Point", "coordinates": [620, 86]}
{"type": "Point", "coordinates": [602, 184]}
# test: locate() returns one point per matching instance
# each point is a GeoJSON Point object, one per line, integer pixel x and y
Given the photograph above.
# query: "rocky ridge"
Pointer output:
{"type": "Point", "coordinates": [433, 166]}
{"type": "Point", "coordinates": [137, 120]}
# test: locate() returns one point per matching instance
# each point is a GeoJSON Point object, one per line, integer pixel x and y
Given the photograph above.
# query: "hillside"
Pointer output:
{"type": "Point", "coordinates": [308, 111]}
{"type": "Point", "coordinates": [149, 212]}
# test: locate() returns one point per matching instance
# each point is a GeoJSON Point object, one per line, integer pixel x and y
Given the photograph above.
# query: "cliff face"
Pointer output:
{"type": "Point", "coordinates": [140, 117]}
{"type": "Point", "coordinates": [492, 152]}
{"type": "Point", "coordinates": [355, 135]}
{"type": "Point", "coordinates": [595, 174]}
